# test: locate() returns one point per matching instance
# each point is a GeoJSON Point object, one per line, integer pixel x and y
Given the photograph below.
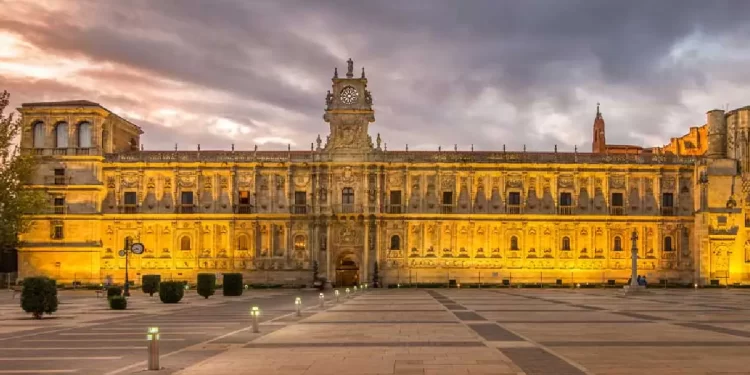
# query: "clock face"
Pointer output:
{"type": "Point", "coordinates": [349, 95]}
{"type": "Point", "coordinates": [137, 248]}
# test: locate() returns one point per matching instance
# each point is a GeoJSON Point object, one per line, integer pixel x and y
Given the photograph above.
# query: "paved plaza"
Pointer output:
{"type": "Point", "coordinates": [396, 331]}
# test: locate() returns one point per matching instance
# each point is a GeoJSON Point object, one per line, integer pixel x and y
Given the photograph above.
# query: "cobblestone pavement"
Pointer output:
{"type": "Point", "coordinates": [397, 331]}
{"type": "Point", "coordinates": [505, 331]}
{"type": "Point", "coordinates": [85, 337]}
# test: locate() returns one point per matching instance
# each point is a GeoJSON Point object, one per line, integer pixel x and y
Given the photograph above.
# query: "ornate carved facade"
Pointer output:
{"type": "Point", "coordinates": [348, 202]}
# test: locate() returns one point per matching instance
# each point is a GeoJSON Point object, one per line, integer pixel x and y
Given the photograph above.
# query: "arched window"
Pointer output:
{"type": "Point", "coordinates": [84, 135]}
{"type": "Point", "coordinates": [38, 130]}
{"type": "Point", "coordinates": [61, 135]}
{"type": "Point", "coordinates": [668, 243]}
{"type": "Point", "coordinates": [514, 243]}
{"type": "Point", "coordinates": [185, 243]}
{"type": "Point", "coordinates": [566, 243]}
{"type": "Point", "coordinates": [242, 242]}
{"type": "Point", "coordinates": [618, 243]}
{"type": "Point", "coordinates": [347, 196]}
{"type": "Point", "coordinates": [300, 242]}
{"type": "Point", "coordinates": [395, 243]}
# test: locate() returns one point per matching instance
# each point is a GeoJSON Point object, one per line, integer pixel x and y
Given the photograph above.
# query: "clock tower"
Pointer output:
{"type": "Point", "coordinates": [349, 112]}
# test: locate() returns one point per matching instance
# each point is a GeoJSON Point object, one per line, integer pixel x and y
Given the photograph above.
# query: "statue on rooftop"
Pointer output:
{"type": "Point", "coordinates": [350, 68]}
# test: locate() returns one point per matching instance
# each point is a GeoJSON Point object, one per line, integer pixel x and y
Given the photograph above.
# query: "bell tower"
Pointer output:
{"type": "Point", "coordinates": [349, 113]}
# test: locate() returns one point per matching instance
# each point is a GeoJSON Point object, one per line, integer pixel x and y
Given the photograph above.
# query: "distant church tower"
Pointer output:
{"type": "Point", "coordinates": [599, 145]}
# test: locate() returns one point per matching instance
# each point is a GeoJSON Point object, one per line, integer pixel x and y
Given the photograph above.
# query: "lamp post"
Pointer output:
{"type": "Point", "coordinates": [634, 259]}
{"type": "Point", "coordinates": [135, 248]}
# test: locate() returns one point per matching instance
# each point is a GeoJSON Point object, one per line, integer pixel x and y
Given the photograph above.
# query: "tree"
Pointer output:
{"type": "Point", "coordinates": [16, 169]}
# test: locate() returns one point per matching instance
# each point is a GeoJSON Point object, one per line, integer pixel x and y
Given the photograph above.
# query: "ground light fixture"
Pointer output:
{"type": "Point", "coordinates": [298, 305]}
{"type": "Point", "coordinates": [322, 300]}
{"type": "Point", "coordinates": [255, 313]}
{"type": "Point", "coordinates": [152, 336]}
{"type": "Point", "coordinates": [336, 293]}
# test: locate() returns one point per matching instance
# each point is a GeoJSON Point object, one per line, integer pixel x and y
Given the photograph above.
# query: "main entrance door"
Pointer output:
{"type": "Point", "coordinates": [347, 272]}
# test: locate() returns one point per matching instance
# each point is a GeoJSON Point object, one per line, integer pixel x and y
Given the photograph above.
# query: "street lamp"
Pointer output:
{"type": "Point", "coordinates": [135, 248]}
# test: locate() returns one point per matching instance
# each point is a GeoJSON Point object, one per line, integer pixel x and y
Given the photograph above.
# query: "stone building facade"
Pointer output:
{"type": "Point", "coordinates": [348, 202]}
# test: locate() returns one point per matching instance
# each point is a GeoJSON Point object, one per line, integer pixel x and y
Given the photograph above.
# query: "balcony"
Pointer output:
{"type": "Point", "coordinates": [395, 209]}
{"type": "Point", "coordinates": [57, 180]}
{"type": "Point", "coordinates": [130, 209]}
{"type": "Point", "coordinates": [72, 151]}
{"type": "Point", "coordinates": [513, 209]}
{"type": "Point", "coordinates": [667, 211]}
{"type": "Point", "coordinates": [59, 210]}
{"type": "Point", "coordinates": [244, 209]}
{"type": "Point", "coordinates": [617, 210]}
{"type": "Point", "coordinates": [299, 209]}
{"type": "Point", "coordinates": [347, 209]}
{"type": "Point", "coordinates": [565, 210]}
{"type": "Point", "coordinates": [186, 209]}
{"type": "Point", "coordinates": [446, 209]}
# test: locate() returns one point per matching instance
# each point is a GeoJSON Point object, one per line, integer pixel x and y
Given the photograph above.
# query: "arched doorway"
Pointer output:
{"type": "Point", "coordinates": [347, 271]}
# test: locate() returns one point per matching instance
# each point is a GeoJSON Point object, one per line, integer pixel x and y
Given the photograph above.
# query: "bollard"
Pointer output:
{"type": "Point", "coordinates": [153, 348]}
{"type": "Point", "coordinates": [322, 299]}
{"type": "Point", "coordinates": [347, 293]}
{"type": "Point", "coordinates": [255, 312]}
{"type": "Point", "coordinates": [398, 285]}
{"type": "Point", "coordinates": [354, 290]}
{"type": "Point", "coordinates": [336, 293]}
{"type": "Point", "coordinates": [298, 306]}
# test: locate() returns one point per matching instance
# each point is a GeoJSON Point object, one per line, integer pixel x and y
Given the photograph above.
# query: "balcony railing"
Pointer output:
{"type": "Point", "coordinates": [59, 210]}
{"type": "Point", "coordinates": [186, 209]}
{"type": "Point", "coordinates": [130, 209]}
{"type": "Point", "coordinates": [299, 209]}
{"type": "Point", "coordinates": [57, 180]}
{"type": "Point", "coordinates": [667, 211]}
{"type": "Point", "coordinates": [347, 209]}
{"type": "Point", "coordinates": [69, 151]}
{"type": "Point", "coordinates": [395, 209]}
{"type": "Point", "coordinates": [617, 210]}
{"type": "Point", "coordinates": [514, 209]}
{"type": "Point", "coordinates": [244, 209]}
{"type": "Point", "coordinates": [447, 209]}
{"type": "Point", "coordinates": [565, 210]}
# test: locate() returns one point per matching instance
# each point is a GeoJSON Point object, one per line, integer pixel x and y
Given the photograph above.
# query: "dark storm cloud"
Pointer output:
{"type": "Point", "coordinates": [442, 72]}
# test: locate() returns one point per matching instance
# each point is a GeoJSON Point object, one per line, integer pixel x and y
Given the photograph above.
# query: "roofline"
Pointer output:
{"type": "Point", "coordinates": [80, 104]}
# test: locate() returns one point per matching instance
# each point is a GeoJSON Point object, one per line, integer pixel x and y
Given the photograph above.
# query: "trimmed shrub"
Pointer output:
{"type": "Point", "coordinates": [118, 303]}
{"type": "Point", "coordinates": [171, 291]}
{"type": "Point", "coordinates": [150, 284]}
{"type": "Point", "coordinates": [206, 284]}
{"type": "Point", "coordinates": [39, 296]}
{"type": "Point", "coordinates": [233, 284]}
{"type": "Point", "coordinates": [114, 291]}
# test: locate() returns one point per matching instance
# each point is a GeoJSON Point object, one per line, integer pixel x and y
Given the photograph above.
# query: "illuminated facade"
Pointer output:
{"type": "Point", "coordinates": [348, 202]}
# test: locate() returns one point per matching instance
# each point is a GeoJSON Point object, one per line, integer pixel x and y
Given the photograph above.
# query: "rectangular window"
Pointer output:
{"type": "Point", "coordinates": [130, 202]}
{"type": "Point", "coordinates": [565, 204]}
{"type": "Point", "coordinates": [57, 230]}
{"type": "Point", "coordinates": [243, 206]}
{"type": "Point", "coordinates": [186, 202]}
{"type": "Point", "coordinates": [59, 176]}
{"type": "Point", "coordinates": [617, 204]}
{"type": "Point", "coordinates": [617, 200]}
{"type": "Point", "coordinates": [59, 205]}
{"type": "Point", "coordinates": [300, 202]}
{"type": "Point", "coordinates": [447, 202]}
{"type": "Point", "coordinates": [667, 204]}
{"type": "Point", "coordinates": [395, 202]}
{"type": "Point", "coordinates": [514, 198]}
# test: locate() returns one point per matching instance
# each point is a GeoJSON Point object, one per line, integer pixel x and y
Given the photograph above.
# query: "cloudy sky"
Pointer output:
{"type": "Point", "coordinates": [441, 72]}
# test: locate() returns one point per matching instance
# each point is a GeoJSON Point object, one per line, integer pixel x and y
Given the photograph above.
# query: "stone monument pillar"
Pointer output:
{"type": "Point", "coordinates": [633, 287]}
